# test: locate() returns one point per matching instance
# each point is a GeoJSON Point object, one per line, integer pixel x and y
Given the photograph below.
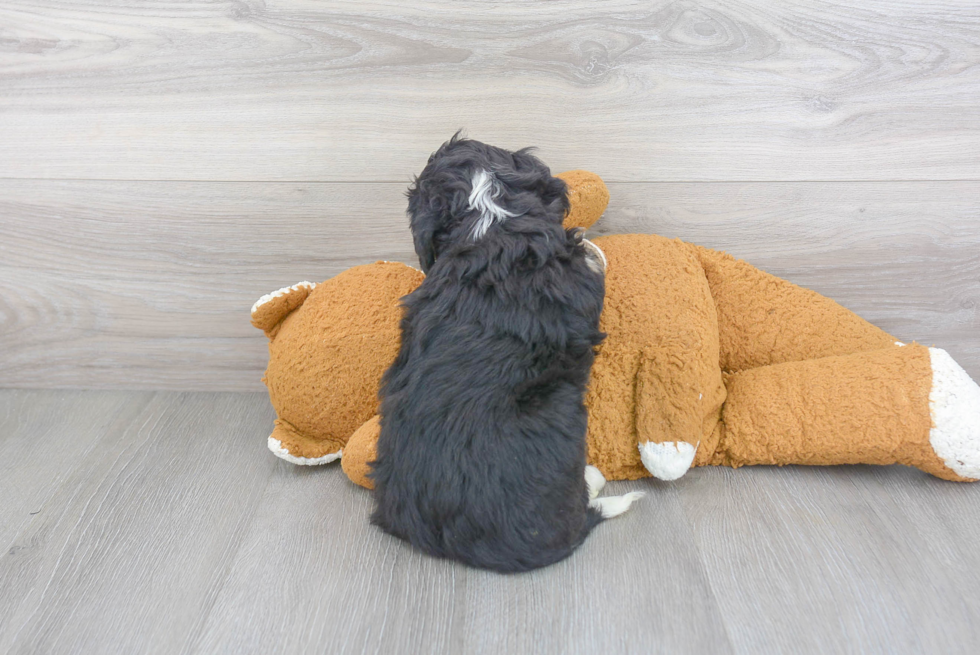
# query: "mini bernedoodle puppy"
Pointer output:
{"type": "Point", "coordinates": [482, 454]}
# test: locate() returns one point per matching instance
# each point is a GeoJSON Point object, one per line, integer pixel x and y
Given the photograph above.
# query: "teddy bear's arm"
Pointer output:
{"type": "Point", "coordinates": [909, 405]}
{"type": "Point", "coordinates": [765, 320]}
{"type": "Point", "coordinates": [588, 197]}
{"type": "Point", "coordinates": [361, 449]}
{"type": "Point", "coordinates": [269, 311]}
{"type": "Point", "coordinates": [678, 403]}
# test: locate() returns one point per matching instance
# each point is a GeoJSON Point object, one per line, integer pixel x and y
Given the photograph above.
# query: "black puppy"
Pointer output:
{"type": "Point", "coordinates": [481, 456]}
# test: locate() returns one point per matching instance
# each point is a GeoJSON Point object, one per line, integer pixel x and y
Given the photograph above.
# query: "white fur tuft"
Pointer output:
{"type": "Point", "coordinates": [280, 451]}
{"type": "Point", "coordinates": [594, 480]}
{"type": "Point", "coordinates": [485, 189]}
{"type": "Point", "coordinates": [611, 506]}
{"type": "Point", "coordinates": [954, 404]}
{"type": "Point", "coordinates": [669, 460]}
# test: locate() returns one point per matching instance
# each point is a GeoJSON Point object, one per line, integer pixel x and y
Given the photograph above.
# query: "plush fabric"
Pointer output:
{"type": "Point", "coordinates": [707, 361]}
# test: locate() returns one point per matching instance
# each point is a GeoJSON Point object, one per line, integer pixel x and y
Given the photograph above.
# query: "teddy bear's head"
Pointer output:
{"type": "Point", "coordinates": [327, 355]}
{"type": "Point", "coordinates": [329, 343]}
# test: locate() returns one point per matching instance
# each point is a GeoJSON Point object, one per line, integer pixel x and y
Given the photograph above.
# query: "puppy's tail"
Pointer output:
{"type": "Point", "coordinates": [610, 506]}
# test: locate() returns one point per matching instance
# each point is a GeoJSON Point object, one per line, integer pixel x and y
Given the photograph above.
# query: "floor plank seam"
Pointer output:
{"type": "Point", "coordinates": [408, 181]}
{"type": "Point", "coordinates": [193, 644]}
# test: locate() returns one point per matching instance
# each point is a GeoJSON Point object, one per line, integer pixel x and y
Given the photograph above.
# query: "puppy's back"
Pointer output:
{"type": "Point", "coordinates": [477, 465]}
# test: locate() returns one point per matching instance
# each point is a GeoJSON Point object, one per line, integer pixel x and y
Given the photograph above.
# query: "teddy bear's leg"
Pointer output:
{"type": "Point", "coordinates": [954, 406]}
{"type": "Point", "coordinates": [269, 310]}
{"type": "Point", "coordinates": [909, 405]}
{"type": "Point", "coordinates": [765, 320]}
{"type": "Point", "coordinates": [679, 394]}
{"type": "Point", "coordinates": [360, 451]}
{"type": "Point", "coordinates": [588, 197]}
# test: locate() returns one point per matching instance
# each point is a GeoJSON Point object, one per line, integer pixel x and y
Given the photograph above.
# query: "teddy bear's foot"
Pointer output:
{"type": "Point", "coordinates": [281, 452]}
{"type": "Point", "coordinates": [954, 403]}
{"type": "Point", "coordinates": [669, 460]}
{"type": "Point", "coordinates": [288, 444]}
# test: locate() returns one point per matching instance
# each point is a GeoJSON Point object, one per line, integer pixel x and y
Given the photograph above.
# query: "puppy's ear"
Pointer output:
{"type": "Point", "coordinates": [424, 220]}
{"type": "Point", "coordinates": [555, 196]}
{"type": "Point", "coordinates": [535, 176]}
{"type": "Point", "coordinates": [425, 248]}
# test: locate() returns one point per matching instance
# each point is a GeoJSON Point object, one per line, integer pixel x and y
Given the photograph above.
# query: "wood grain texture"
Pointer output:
{"type": "Point", "coordinates": [164, 526]}
{"type": "Point", "coordinates": [148, 284]}
{"type": "Point", "coordinates": [840, 545]}
{"type": "Point", "coordinates": [29, 472]}
{"type": "Point", "coordinates": [364, 90]}
{"type": "Point", "coordinates": [129, 553]}
{"type": "Point", "coordinates": [904, 256]}
{"type": "Point", "coordinates": [314, 576]}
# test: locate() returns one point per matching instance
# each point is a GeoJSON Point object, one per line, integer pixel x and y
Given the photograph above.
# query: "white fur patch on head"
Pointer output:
{"type": "Point", "coordinates": [669, 460]}
{"type": "Point", "coordinates": [282, 292]}
{"type": "Point", "coordinates": [280, 451]}
{"type": "Point", "coordinates": [485, 189]}
{"type": "Point", "coordinates": [954, 405]}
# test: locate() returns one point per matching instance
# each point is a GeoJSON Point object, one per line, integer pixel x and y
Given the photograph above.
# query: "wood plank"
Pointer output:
{"type": "Point", "coordinates": [32, 468]}
{"type": "Point", "coordinates": [363, 90]}
{"type": "Point", "coordinates": [314, 576]}
{"type": "Point", "coordinates": [832, 560]}
{"type": "Point", "coordinates": [178, 532]}
{"type": "Point", "coordinates": [46, 438]}
{"type": "Point", "coordinates": [130, 552]}
{"type": "Point", "coordinates": [111, 285]}
{"type": "Point", "coordinates": [904, 256]}
{"type": "Point", "coordinates": [148, 284]}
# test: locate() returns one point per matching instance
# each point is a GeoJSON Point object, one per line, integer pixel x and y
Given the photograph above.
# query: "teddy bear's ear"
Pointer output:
{"type": "Point", "coordinates": [269, 311]}
{"type": "Point", "coordinates": [588, 196]}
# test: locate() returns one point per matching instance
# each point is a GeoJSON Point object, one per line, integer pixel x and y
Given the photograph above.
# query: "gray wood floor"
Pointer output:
{"type": "Point", "coordinates": [164, 164]}
{"type": "Point", "coordinates": [156, 522]}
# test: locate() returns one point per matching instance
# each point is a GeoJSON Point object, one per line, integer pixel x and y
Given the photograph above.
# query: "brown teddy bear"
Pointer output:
{"type": "Point", "coordinates": [708, 360]}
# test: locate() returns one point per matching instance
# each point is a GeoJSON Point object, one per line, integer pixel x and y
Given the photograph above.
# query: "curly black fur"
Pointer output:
{"type": "Point", "coordinates": [482, 447]}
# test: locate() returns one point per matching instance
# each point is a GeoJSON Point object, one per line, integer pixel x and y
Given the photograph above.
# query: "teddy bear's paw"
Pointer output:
{"type": "Point", "coordinates": [954, 405]}
{"type": "Point", "coordinates": [669, 460]}
{"type": "Point", "coordinates": [611, 506]}
{"type": "Point", "coordinates": [594, 481]}
{"type": "Point", "coordinates": [280, 451]}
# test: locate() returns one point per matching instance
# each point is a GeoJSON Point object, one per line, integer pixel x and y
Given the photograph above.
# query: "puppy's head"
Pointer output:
{"type": "Point", "coordinates": [468, 187]}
